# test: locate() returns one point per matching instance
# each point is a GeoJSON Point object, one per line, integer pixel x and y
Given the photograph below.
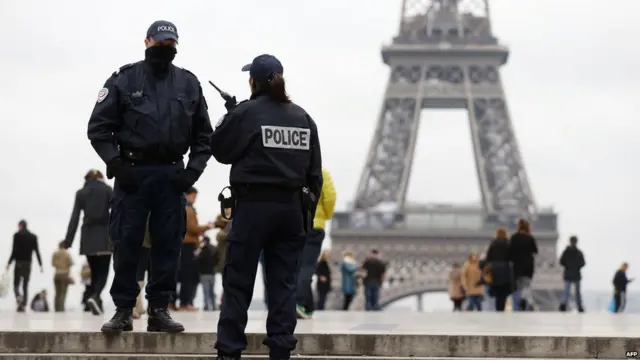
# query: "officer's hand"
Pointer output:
{"type": "Point", "coordinates": [123, 175]}
{"type": "Point", "coordinates": [230, 103]}
{"type": "Point", "coordinates": [185, 180]}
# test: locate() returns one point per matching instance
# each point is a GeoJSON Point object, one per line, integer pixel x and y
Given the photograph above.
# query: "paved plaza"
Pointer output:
{"type": "Point", "coordinates": [337, 322]}
{"type": "Point", "coordinates": [344, 334]}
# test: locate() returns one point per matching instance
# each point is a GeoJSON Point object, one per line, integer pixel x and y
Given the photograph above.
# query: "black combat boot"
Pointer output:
{"type": "Point", "coordinates": [121, 321]}
{"type": "Point", "coordinates": [563, 307]}
{"type": "Point", "coordinates": [580, 309]}
{"type": "Point", "coordinates": [159, 320]}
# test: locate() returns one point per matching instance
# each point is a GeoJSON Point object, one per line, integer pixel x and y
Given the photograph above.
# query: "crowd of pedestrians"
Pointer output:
{"type": "Point", "coordinates": [503, 274]}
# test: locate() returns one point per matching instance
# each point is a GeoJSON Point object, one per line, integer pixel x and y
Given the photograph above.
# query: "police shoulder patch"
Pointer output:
{"type": "Point", "coordinates": [102, 94]}
{"type": "Point", "coordinates": [282, 137]}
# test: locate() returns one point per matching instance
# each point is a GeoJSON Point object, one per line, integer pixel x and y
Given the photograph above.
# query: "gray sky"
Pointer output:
{"type": "Point", "coordinates": [571, 83]}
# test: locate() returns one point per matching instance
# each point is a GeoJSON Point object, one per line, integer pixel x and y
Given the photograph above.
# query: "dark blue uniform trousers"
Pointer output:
{"type": "Point", "coordinates": [165, 203]}
{"type": "Point", "coordinates": [277, 229]}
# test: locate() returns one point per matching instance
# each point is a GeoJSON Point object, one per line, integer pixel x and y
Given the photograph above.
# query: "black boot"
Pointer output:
{"type": "Point", "coordinates": [522, 305]}
{"type": "Point", "coordinates": [580, 309]}
{"type": "Point", "coordinates": [121, 321]}
{"type": "Point", "coordinates": [159, 320]}
{"type": "Point", "coordinates": [563, 307]}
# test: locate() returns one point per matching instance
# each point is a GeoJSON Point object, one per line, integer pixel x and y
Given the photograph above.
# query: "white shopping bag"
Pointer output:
{"type": "Point", "coordinates": [4, 284]}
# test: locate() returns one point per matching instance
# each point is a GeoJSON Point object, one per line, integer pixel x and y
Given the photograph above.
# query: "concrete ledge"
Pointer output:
{"type": "Point", "coordinates": [381, 345]}
{"type": "Point", "coordinates": [197, 357]}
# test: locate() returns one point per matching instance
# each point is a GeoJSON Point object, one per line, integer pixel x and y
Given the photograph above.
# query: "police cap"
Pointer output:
{"type": "Point", "coordinates": [162, 30]}
{"type": "Point", "coordinates": [263, 67]}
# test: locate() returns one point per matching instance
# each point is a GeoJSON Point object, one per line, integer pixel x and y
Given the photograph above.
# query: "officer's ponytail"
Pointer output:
{"type": "Point", "coordinates": [277, 90]}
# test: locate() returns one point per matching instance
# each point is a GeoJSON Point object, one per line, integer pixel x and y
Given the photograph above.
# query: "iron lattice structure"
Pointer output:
{"type": "Point", "coordinates": [444, 56]}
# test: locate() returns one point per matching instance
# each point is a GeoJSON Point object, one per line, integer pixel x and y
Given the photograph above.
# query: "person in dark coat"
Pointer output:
{"type": "Point", "coordinates": [207, 260]}
{"type": "Point", "coordinates": [620, 282]}
{"type": "Point", "coordinates": [522, 251]}
{"type": "Point", "coordinates": [323, 283]}
{"type": "Point", "coordinates": [25, 243]}
{"type": "Point", "coordinates": [94, 200]}
{"type": "Point", "coordinates": [572, 260]}
{"type": "Point", "coordinates": [497, 269]}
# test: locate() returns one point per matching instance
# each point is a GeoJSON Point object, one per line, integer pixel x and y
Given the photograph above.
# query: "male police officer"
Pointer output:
{"type": "Point", "coordinates": [272, 145]}
{"type": "Point", "coordinates": [148, 114]}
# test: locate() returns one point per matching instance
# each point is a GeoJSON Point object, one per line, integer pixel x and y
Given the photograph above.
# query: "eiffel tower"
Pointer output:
{"type": "Point", "coordinates": [445, 56]}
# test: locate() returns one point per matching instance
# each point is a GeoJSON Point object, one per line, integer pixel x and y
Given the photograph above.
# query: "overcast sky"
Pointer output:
{"type": "Point", "coordinates": [572, 84]}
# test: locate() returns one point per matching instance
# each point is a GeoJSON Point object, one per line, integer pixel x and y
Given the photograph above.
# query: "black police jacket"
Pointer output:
{"type": "Point", "coordinates": [163, 117]}
{"type": "Point", "coordinates": [269, 143]}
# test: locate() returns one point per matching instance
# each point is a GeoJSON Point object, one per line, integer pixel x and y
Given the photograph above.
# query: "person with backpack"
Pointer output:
{"type": "Point", "coordinates": [94, 200]}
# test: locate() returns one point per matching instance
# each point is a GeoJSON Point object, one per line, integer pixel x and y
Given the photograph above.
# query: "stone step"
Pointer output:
{"type": "Point", "coordinates": [381, 345]}
{"type": "Point", "coordinates": [248, 357]}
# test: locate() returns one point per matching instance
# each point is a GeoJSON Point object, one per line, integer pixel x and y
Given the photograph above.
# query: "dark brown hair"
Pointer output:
{"type": "Point", "coordinates": [93, 174]}
{"type": "Point", "coordinates": [277, 90]}
{"type": "Point", "coordinates": [501, 233]}
{"type": "Point", "coordinates": [524, 227]}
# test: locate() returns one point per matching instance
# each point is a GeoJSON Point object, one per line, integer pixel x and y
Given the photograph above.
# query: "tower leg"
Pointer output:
{"type": "Point", "coordinates": [504, 183]}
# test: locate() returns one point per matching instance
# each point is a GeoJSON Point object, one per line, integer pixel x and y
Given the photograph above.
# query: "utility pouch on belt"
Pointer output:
{"type": "Point", "coordinates": [227, 203]}
{"type": "Point", "coordinates": [308, 207]}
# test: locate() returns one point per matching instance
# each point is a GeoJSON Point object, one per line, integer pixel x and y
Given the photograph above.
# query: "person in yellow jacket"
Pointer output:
{"type": "Point", "coordinates": [313, 247]}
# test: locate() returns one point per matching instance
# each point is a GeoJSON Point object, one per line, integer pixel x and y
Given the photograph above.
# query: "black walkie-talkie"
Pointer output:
{"type": "Point", "coordinates": [224, 95]}
{"type": "Point", "coordinates": [230, 101]}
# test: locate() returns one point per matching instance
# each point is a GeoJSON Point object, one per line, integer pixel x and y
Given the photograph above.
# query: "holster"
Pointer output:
{"type": "Point", "coordinates": [308, 209]}
{"type": "Point", "coordinates": [227, 202]}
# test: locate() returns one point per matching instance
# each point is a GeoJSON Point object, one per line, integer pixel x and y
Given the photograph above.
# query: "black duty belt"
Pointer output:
{"type": "Point", "coordinates": [264, 192]}
{"type": "Point", "coordinates": [270, 193]}
{"type": "Point", "coordinates": [149, 158]}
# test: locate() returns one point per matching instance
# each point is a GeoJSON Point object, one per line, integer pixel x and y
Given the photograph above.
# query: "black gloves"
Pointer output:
{"type": "Point", "coordinates": [230, 103]}
{"type": "Point", "coordinates": [118, 169]}
{"type": "Point", "coordinates": [185, 179]}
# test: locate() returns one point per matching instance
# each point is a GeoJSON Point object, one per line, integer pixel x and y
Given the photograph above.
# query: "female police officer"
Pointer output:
{"type": "Point", "coordinates": [273, 148]}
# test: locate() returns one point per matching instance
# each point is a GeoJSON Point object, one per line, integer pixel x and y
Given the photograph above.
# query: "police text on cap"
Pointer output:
{"type": "Point", "coordinates": [281, 137]}
{"type": "Point", "coordinates": [165, 28]}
